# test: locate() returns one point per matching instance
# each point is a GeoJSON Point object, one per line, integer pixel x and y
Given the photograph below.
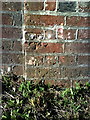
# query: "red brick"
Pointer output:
{"type": "Point", "coordinates": [12, 6]}
{"type": "Point", "coordinates": [36, 32]}
{"type": "Point", "coordinates": [11, 58]}
{"type": "Point", "coordinates": [45, 47]}
{"type": "Point", "coordinates": [69, 34]}
{"type": "Point", "coordinates": [49, 34]}
{"type": "Point", "coordinates": [7, 19]}
{"type": "Point", "coordinates": [77, 48]}
{"type": "Point", "coordinates": [50, 5]}
{"type": "Point", "coordinates": [67, 60]}
{"type": "Point", "coordinates": [44, 20]}
{"type": "Point", "coordinates": [34, 60]}
{"type": "Point", "coordinates": [84, 6]}
{"type": "Point", "coordinates": [11, 33]}
{"type": "Point", "coordinates": [84, 34]}
{"type": "Point", "coordinates": [83, 60]}
{"type": "Point", "coordinates": [51, 60]}
{"type": "Point", "coordinates": [75, 72]}
{"type": "Point", "coordinates": [78, 21]}
{"type": "Point", "coordinates": [34, 6]}
{"type": "Point", "coordinates": [11, 46]}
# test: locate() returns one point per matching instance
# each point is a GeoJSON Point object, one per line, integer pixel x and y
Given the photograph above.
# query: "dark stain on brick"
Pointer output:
{"type": "Point", "coordinates": [67, 6]}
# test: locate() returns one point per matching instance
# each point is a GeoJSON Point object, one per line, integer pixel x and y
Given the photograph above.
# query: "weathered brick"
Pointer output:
{"type": "Point", "coordinates": [11, 46]}
{"type": "Point", "coordinates": [32, 34]}
{"type": "Point", "coordinates": [54, 73]}
{"type": "Point", "coordinates": [50, 5]}
{"type": "Point", "coordinates": [18, 70]}
{"type": "Point", "coordinates": [77, 48]}
{"type": "Point", "coordinates": [7, 19]}
{"type": "Point", "coordinates": [45, 47]}
{"type": "Point", "coordinates": [43, 20]}
{"type": "Point", "coordinates": [63, 83]}
{"type": "Point", "coordinates": [51, 61]}
{"type": "Point", "coordinates": [67, 6]}
{"type": "Point", "coordinates": [51, 82]}
{"type": "Point", "coordinates": [34, 60]}
{"type": "Point", "coordinates": [78, 21]}
{"type": "Point", "coordinates": [8, 32]}
{"type": "Point", "coordinates": [83, 60]}
{"type": "Point", "coordinates": [84, 34]}
{"type": "Point", "coordinates": [41, 60]}
{"type": "Point", "coordinates": [43, 73]}
{"type": "Point", "coordinates": [67, 60]}
{"type": "Point", "coordinates": [75, 72]}
{"type": "Point", "coordinates": [6, 46]}
{"type": "Point", "coordinates": [11, 58]}
{"type": "Point", "coordinates": [37, 72]}
{"type": "Point", "coordinates": [12, 6]}
{"type": "Point", "coordinates": [69, 34]}
{"type": "Point", "coordinates": [17, 19]}
{"type": "Point", "coordinates": [34, 6]}
{"type": "Point", "coordinates": [50, 34]}
{"type": "Point", "coordinates": [3, 68]}
{"type": "Point", "coordinates": [84, 6]}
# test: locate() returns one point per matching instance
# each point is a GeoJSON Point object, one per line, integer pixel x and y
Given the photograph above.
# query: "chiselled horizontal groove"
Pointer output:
{"type": "Point", "coordinates": [59, 41]}
{"type": "Point", "coordinates": [52, 27]}
{"type": "Point", "coordinates": [10, 26]}
{"type": "Point", "coordinates": [11, 52]}
{"type": "Point", "coordinates": [3, 64]}
{"type": "Point", "coordinates": [12, 12]}
{"type": "Point", "coordinates": [60, 66]}
{"type": "Point", "coordinates": [58, 54]}
{"type": "Point", "coordinates": [11, 39]}
{"type": "Point", "coordinates": [55, 13]}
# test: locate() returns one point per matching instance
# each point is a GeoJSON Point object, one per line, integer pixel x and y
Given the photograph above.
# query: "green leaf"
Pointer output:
{"type": "Point", "coordinates": [41, 88]}
{"type": "Point", "coordinates": [4, 117]}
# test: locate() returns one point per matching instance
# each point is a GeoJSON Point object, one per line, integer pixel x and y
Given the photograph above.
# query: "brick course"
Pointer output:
{"type": "Point", "coordinates": [34, 6]}
{"type": "Point", "coordinates": [50, 5]}
{"type": "Point", "coordinates": [43, 20]}
{"type": "Point", "coordinates": [11, 46]}
{"type": "Point", "coordinates": [7, 19]}
{"type": "Point", "coordinates": [8, 32]}
{"type": "Point", "coordinates": [11, 6]}
{"type": "Point", "coordinates": [78, 21]}
{"type": "Point", "coordinates": [45, 48]}
{"type": "Point", "coordinates": [77, 47]}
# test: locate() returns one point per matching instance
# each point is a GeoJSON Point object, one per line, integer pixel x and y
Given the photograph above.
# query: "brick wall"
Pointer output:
{"type": "Point", "coordinates": [12, 55]}
{"type": "Point", "coordinates": [47, 40]}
